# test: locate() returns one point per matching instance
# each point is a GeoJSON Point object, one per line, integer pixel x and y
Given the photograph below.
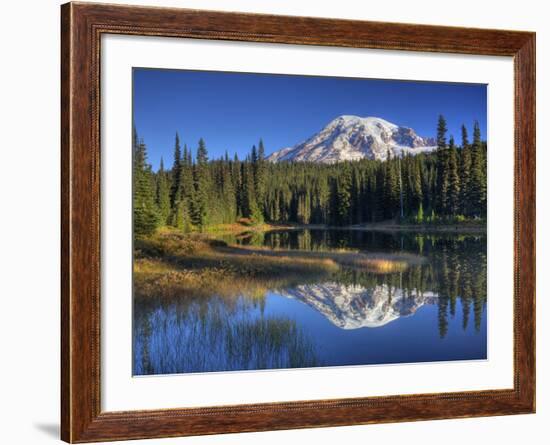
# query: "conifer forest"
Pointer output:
{"type": "Point", "coordinates": [193, 191]}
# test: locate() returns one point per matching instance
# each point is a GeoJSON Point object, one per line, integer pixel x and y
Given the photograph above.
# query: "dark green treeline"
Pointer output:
{"type": "Point", "coordinates": [447, 185]}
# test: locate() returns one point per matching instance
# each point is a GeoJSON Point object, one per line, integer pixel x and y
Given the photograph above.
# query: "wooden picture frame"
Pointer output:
{"type": "Point", "coordinates": [82, 26]}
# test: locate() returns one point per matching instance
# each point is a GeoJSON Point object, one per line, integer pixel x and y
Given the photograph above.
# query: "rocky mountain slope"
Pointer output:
{"type": "Point", "coordinates": [349, 138]}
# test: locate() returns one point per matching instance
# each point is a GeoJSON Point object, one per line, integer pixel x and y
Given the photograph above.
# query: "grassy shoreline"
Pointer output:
{"type": "Point", "coordinates": [170, 264]}
{"type": "Point", "coordinates": [384, 226]}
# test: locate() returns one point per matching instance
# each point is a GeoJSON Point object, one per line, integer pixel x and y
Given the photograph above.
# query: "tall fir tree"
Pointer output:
{"type": "Point", "coordinates": [145, 213]}
{"type": "Point", "coordinates": [390, 188]}
{"type": "Point", "coordinates": [441, 132]}
{"type": "Point", "coordinates": [453, 180]}
{"type": "Point", "coordinates": [442, 185]}
{"type": "Point", "coordinates": [260, 176]}
{"type": "Point", "coordinates": [478, 180]}
{"type": "Point", "coordinates": [416, 184]}
{"type": "Point", "coordinates": [162, 194]}
{"type": "Point", "coordinates": [201, 201]}
{"type": "Point", "coordinates": [228, 196]}
{"type": "Point", "coordinates": [175, 191]}
{"type": "Point", "coordinates": [464, 132]}
{"type": "Point", "coordinates": [186, 178]}
{"type": "Point", "coordinates": [356, 195]}
{"type": "Point", "coordinates": [343, 196]}
{"type": "Point", "coordinates": [465, 174]}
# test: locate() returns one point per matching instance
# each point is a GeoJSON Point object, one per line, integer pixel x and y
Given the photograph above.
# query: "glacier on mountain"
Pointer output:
{"type": "Point", "coordinates": [350, 138]}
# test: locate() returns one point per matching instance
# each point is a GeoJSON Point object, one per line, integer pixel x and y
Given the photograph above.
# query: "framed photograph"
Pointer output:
{"type": "Point", "coordinates": [275, 222]}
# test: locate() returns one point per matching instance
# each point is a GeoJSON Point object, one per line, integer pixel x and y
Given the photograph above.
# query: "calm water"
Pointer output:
{"type": "Point", "coordinates": [434, 310]}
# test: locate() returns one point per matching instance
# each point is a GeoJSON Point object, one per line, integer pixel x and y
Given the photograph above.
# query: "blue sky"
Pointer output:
{"type": "Point", "coordinates": [232, 111]}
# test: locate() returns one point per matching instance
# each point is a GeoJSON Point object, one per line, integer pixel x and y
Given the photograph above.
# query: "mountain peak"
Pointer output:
{"type": "Point", "coordinates": [349, 138]}
{"type": "Point", "coordinates": [348, 119]}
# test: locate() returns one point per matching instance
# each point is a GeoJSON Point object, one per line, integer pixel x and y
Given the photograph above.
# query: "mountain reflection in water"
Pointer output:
{"type": "Point", "coordinates": [355, 306]}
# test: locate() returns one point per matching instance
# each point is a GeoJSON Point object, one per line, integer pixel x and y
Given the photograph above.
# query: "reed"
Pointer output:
{"type": "Point", "coordinates": [217, 338]}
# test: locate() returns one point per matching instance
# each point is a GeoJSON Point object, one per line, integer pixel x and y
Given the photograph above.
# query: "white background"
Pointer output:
{"type": "Point", "coordinates": [29, 197]}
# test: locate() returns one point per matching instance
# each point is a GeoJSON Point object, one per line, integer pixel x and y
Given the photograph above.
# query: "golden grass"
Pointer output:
{"type": "Point", "coordinates": [383, 266]}
{"type": "Point", "coordinates": [159, 279]}
{"type": "Point", "coordinates": [376, 262]}
{"type": "Point", "coordinates": [169, 264]}
{"type": "Point", "coordinates": [243, 226]}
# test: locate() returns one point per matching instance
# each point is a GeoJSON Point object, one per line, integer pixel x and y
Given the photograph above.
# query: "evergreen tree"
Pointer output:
{"type": "Point", "coordinates": [465, 142]}
{"type": "Point", "coordinates": [400, 180]}
{"type": "Point", "coordinates": [442, 166]}
{"type": "Point", "coordinates": [145, 212]}
{"type": "Point", "coordinates": [303, 208]}
{"type": "Point", "coordinates": [416, 184]}
{"type": "Point", "coordinates": [186, 178]}
{"type": "Point", "coordinates": [228, 193]}
{"type": "Point", "coordinates": [250, 205]}
{"type": "Point", "coordinates": [343, 197]}
{"type": "Point", "coordinates": [465, 174]}
{"type": "Point", "coordinates": [260, 176]}
{"type": "Point", "coordinates": [441, 133]}
{"type": "Point", "coordinates": [187, 189]}
{"type": "Point", "coordinates": [391, 189]}
{"type": "Point", "coordinates": [175, 191]}
{"type": "Point", "coordinates": [243, 193]}
{"type": "Point", "coordinates": [200, 204]}
{"type": "Point", "coordinates": [162, 194]}
{"type": "Point", "coordinates": [356, 195]}
{"type": "Point", "coordinates": [478, 192]}
{"type": "Point", "coordinates": [453, 180]}
{"type": "Point", "coordinates": [180, 216]}
{"type": "Point", "coordinates": [236, 177]}
{"type": "Point", "coordinates": [420, 214]}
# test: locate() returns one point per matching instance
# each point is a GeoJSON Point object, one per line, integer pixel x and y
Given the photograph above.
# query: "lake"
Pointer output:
{"type": "Point", "coordinates": [433, 308]}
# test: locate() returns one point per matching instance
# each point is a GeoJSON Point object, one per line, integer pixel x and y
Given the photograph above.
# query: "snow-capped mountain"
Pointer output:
{"type": "Point", "coordinates": [349, 138]}
{"type": "Point", "coordinates": [353, 306]}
